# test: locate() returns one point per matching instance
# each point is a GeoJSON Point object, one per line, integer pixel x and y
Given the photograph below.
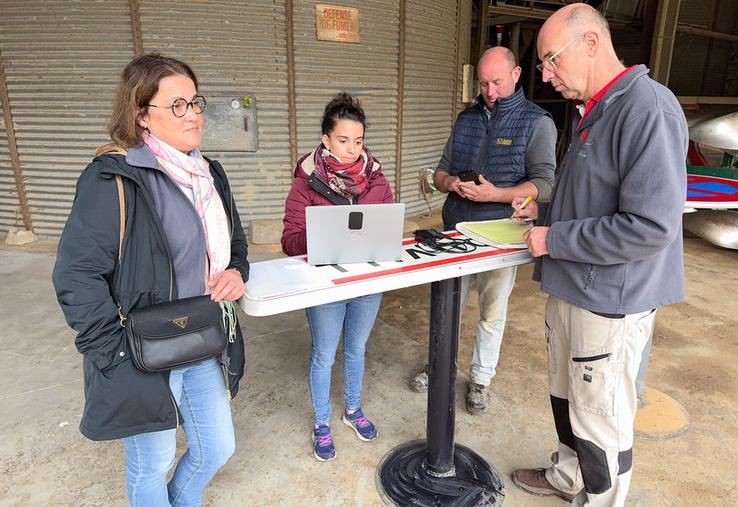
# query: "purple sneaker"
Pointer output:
{"type": "Point", "coordinates": [363, 427]}
{"type": "Point", "coordinates": [323, 448]}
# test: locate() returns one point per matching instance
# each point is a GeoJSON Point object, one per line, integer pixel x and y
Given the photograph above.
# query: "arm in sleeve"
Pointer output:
{"type": "Point", "coordinates": [652, 153]}
{"type": "Point", "coordinates": [239, 245]}
{"type": "Point", "coordinates": [85, 262]}
{"type": "Point", "coordinates": [294, 238]}
{"type": "Point", "coordinates": [540, 157]}
{"type": "Point", "coordinates": [444, 164]}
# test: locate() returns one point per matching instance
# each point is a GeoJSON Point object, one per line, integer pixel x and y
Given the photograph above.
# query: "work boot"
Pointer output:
{"type": "Point", "coordinates": [477, 399]}
{"type": "Point", "coordinates": [419, 383]}
{"type": "Point", "coordinates": [533, 480]}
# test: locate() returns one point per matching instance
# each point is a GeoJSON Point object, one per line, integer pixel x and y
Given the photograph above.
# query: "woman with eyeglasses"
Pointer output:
{"type": "Point", "coordinates": [182, 238]}
{"type": "Point", "coordinates": [340, 170]}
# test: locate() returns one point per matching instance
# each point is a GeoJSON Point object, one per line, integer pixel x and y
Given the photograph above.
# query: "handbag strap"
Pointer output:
{"type": "Point", "coordinates": [122, 208]}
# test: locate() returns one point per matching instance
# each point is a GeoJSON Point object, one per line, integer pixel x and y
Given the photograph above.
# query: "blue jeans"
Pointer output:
{"type": "Point", "coordinates": [494, 288]}
{"type": "Point", "coordinates": [206, 414]}
{"type": "Point", "coordinates": [355, 317]}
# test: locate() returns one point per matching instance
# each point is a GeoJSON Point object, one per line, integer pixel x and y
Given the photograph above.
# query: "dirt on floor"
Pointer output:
{"type": "Point", "coordinates": [45, 461]}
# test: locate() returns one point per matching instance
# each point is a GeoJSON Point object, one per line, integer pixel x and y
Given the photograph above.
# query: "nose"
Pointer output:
{"type": "Point", "coordinates": [547, 75]}
{"type": "Point", "coordinates": [190, 114]}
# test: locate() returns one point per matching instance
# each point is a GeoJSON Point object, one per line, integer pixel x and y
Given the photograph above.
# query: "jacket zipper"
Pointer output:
{"type": "Point", "coordinates": [225, 379]}
{"type": "Point", "coordinates": [176, 410]}
{"type": "Point", "coordinates": [230, 213]}
{"type": "Point", "coordinates": [590, 277]}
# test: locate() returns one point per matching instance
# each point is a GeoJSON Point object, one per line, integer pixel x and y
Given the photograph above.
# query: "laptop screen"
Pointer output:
{"type": "Point", "coordinates": [354, 233]}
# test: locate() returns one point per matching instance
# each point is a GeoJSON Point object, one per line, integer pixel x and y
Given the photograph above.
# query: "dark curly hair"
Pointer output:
{"type": "Point", "coordinates": [342, 107]}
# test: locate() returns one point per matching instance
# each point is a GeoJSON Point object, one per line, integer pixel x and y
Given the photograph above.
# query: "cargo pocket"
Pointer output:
{"type": "Point", "coordinates": [596, 363]}
{"type": "Point", "coordinates": [551, 346]}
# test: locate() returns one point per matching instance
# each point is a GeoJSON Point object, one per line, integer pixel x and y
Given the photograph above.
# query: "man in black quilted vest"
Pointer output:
{"type": "Point", "coordinates": [509, 142]}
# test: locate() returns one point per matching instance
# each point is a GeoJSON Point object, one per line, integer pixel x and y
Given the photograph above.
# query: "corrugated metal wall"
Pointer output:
{"type": "Point", "coordinates": [700, 64]}
{"type": "Point", "coordinates": [367, 70]}
{"type": "Point", "coordinates": [431, 46]}
{"type": "Point", "coordinates": [62, 61]}
{"type": "Point", "coordinates": [235, 47]}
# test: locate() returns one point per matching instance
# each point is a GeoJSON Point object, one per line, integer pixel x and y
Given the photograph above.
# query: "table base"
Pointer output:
{"type": "Point", "coordinates": [403, 480]}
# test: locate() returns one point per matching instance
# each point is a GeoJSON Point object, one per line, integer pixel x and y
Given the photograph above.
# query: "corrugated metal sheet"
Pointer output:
{"type": "Point", "coordinates": [699, 64]}
{"type": "Point", "coordinates": [367, 70]}
{"type": "Point", "coordinates": [430, 57]}
{"type": "Point", "coordinates": [63, 59]}
{"type": "Point", "coordinates": [235, 47]}
{"type": "Point", "coordinates": [9, 206]}
{"type": "Point", "coordinates": [62, 62]}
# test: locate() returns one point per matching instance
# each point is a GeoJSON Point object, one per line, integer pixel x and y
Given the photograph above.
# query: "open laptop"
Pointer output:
{"type": "Point", "coordinates": [354, 233]}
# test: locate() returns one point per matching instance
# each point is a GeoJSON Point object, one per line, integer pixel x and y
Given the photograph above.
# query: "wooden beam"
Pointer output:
{"type": "Point", "coordinates": [483, 28]}
{"type": "Point", "coordinates": [291, 92]}
{"type": "Point", "coordinates": [20, 185]}
{"type": "Point", "coordinates": [136, 27]}
{"type": "Point", "coordinates": [662, 47]}
{"type": "Point", "coordinates": [400, 102]}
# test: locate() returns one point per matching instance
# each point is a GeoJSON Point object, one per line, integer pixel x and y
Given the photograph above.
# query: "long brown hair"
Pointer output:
{"type": "Point", "coordinates": [138, 84]}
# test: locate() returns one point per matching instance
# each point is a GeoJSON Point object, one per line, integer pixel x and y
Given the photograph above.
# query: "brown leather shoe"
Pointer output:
{"type": "Point", "coordinates": [533, 480]}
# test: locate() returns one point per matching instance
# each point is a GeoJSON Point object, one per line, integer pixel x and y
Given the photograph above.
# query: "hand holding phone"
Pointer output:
{"type": "Point", "coordinates": [469, 175]}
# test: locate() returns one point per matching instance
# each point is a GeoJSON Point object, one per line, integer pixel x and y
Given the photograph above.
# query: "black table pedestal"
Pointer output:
{"type": "Point", "coordinates": [436, 472]}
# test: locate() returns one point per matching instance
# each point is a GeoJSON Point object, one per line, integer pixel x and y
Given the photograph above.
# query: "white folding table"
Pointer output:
{"type": "Point", "coordinates": [434, 471]}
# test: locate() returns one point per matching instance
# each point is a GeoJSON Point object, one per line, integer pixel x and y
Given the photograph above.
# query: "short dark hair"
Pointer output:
{"type": "Point", "coordinates": [342, 107]}
{"type": "Point", "coordinates": [138, 84]}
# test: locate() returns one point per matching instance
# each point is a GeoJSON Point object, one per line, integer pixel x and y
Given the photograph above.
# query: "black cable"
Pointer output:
{"type": "Point", "coordinates": [432, 241]}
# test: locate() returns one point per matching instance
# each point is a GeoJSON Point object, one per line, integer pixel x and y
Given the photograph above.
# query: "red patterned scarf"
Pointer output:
{"type": "Point", "coordinates": [346, 179]}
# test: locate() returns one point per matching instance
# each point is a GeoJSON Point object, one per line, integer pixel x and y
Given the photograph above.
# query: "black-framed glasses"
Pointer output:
{"type": "Point", "coordinates": [180, 106]}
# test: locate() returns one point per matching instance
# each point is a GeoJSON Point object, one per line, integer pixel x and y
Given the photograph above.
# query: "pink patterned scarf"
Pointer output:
{"type": "Point", "coordinates": [193, 172]}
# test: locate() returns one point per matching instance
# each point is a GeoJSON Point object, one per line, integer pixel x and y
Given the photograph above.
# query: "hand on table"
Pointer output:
{"type": "Point", "coordinates": [535, 239]}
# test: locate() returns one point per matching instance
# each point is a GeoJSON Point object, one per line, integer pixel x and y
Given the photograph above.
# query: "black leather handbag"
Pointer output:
{"type": "Point", "coordinates": [175, 334]}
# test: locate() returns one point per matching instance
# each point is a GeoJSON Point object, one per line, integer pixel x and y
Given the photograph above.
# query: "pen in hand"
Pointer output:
{"type": "Point", "coordinates": [522, 205]}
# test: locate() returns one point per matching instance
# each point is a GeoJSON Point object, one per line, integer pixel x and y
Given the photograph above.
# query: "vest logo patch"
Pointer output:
{"type": "Point", "coordinates": [504, 142]}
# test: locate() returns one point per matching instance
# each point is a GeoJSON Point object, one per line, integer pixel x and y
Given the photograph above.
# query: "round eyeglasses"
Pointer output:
{"type": "Point", "coordinates": [180, 106]}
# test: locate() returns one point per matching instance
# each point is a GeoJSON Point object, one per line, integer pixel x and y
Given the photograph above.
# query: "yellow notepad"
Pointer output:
{"type": "Point", "coordinates": [502, 233]}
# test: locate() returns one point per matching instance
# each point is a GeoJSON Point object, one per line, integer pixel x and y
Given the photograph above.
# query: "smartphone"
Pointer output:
{"type": "Point", "coordinates": [469, 175]}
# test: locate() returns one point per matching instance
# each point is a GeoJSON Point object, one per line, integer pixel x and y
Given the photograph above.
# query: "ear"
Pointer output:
{"type": "Point", "coordinates": [325, 140]}
{"type": "Point", "coordinates": [516, 74]}
{"type": "Point", "coordinates": [591, 42]}
{"type": "Point", "coordinates": [141, 120]}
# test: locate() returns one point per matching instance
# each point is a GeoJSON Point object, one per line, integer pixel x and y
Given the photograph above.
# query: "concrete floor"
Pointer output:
{"type": "Point", "coordinates": [45, 461]}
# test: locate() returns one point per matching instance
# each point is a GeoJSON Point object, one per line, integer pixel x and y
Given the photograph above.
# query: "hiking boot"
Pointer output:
{"type": "Point", "coordinates": [419, 383]}
{"type": "Point", "coordinates": [477, 399]}
{"type": "Point", "coordinates": [533, 480]}
{"type": "Point", "coordinates": [363, 427]}
{"type": "Point", "coordinates": [323, 448]}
